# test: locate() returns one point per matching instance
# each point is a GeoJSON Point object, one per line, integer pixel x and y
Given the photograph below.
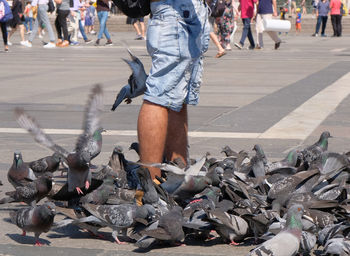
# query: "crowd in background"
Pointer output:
{"type": "Point", "coordinates": [77, 18]}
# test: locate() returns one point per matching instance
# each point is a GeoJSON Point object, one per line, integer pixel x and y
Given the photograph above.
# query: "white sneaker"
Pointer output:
{"type": "Point", "coordinates": [40, 36]}
{"type": "Point", "coordinates": [26, 43]}
{"type": "Point", "coordinates": [49, 45]}
{"type": "Point", "coordinates": [43, 32]}
{"type": "Point", "coordinates": [9, 43]}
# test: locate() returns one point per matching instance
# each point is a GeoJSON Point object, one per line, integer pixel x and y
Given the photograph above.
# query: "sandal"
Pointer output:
{"type": "Point", "coordinates": [220, 54]}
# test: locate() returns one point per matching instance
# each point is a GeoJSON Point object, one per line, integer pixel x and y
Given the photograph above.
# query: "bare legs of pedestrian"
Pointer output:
{"type": "Point", "coordinates": [161, 131]}
{"type": "Point", "coordinates": [214, 38]}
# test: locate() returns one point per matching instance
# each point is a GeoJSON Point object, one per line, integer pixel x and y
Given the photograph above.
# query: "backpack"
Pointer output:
{"type": "Point", "coordinates": [134, 8]}
{"type": "Point", "coordinates": [51, 6]}
{"type": "Point", "coordinates": [217, 7]}
{"type": "Point", "coordinates": [5, 11]}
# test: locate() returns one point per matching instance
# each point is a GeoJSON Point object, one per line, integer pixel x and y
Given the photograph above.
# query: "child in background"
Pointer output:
{"type": "Point", "coordinates": [298, 22]}
{"type": "Point", "coordinates": [283, 12]}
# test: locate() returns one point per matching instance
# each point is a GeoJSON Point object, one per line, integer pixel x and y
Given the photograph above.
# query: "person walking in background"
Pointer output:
{"type": "Point", "coordinates": [74, 17]}
{"type": "Point", "coordinates": [225, 25]}
{"type": "Point", "coordinates": [62, 11]}
{"type": "Point", "coordinates": [5, 16]}
{"type": "Point", "coordinates": [235, 18]}
{"type": "Point", "coordinates": [140, 32]}
{"type": "Point", "coordinates": [265, 10]}
{"type": "Point", "coordinates": [89, 17]}
{"type": "Point", "coordinates": [102, 14]}
{"type": "Point", "coordinates": [322, 12]}
{"type": "Point", "coordinates": [336, 15]}
{"type": "Point", "coordinates": [246, 7]}
{"type": "Point", "coordinates": [28, 18]}
{"type": "Point", "coordinates": [17, 21]}
{"type": "Point", "coordinates": [82, 17]}
{"type": "Point", "coordinates": [303, 7]}
{"type": "Point", "coordinates": [298, 22]}
{"type": "Point", "coordinates": [42, 17]}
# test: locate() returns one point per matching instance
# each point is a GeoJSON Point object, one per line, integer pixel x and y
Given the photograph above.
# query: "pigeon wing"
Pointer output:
{"type": "Point", "coordinates": [30, 124]}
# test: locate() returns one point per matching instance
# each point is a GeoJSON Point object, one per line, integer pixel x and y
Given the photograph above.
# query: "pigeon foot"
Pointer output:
{"type": "Point", "coordinates": [24, 233]}
{"type": "Point", "coordinates": [119, 242]}
{"type": "Point", "coordinates": [79, 191]}
{"type": "Point", "coordinates": [87, 185]}
{"type": "Point", "coordinates": [233, 243]}
{"type": "Point", "coordinates": [37, 243]}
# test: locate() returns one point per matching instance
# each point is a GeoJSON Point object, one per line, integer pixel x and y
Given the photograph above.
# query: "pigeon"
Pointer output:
{"type": "Point", "coordinates": [32, 192]}
{"type": "Point", "coordinates": [312, 152]}
{"type": "Point", "coordinates": [100, 195]}
{"type": "Point", "coordinates": [230, 227]}
{"type": "Point", "coordinates": [169, 227]}
{"type": "Point", "coordinates": [229, 152]}
{"type": "Point", "coordinates": [289, 161]}
{"type": "Point", "coordinates": [120, 217]}
{"type": "Point", "coordinates": [20, 173]}
{"type": "Point", "coordinates": [150, 194]}
{"type": "Point", "coordinates": [337, 246]}
{"type": "Point", "coordinates": [88, 143]}
{"type": "Point", "coordinates": [37, 219]}
{"type": "Point", "coordinates": [136, 84]}
{"type": "Point", "coordinates": [46, 164]}
{"type": "Point", "coordinates": [286, 242]}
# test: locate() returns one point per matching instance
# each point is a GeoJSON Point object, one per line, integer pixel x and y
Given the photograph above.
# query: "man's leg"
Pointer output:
{"type": "Point", "coordinates": [152, 130]}
{"type": "Point", "coordinates": [176, 140]}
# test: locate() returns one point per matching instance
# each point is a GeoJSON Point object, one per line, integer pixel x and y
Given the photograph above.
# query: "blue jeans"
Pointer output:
{"type": "Point", "coordinates": [247, 32]}
{"type": "Point", "coordinates": [323, 20]}
{"type": "Point", "coordinates": [82, 30]}
{"type": "Point", "coordinates": [30, 21]}
{"type": "Point", "coordinates": [102, 17]}
{"type": "Point", "coordinates": [177, 36]}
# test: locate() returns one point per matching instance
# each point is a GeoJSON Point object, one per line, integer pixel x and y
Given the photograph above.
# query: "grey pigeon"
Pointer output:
{"type": "Point", "coordinates": [150, 194]}
{"type": "Point", "coordinates": [286, 242]}
{"type": "Point", "coordinates": [46, 164]}
{"type": "Point", "coordinates": [120, 217]}
{"type": "Point", "coordinates": [19, 173]}
{"type": "Point", "coordinates": [37, 219]}
{"type": "Point", "coordinates": [337, 246]}
{"type": "Point", "coordinates": [169, 227]}
{"type": "Point", "coordinates": [230, 227]}
{"type": "Point", "coordinates": [88, 143]}
{"type": "Point", "coordinates": [289, 161]}
{"type": "Point", "coordinates": [100, 195]}
{"type": "Point", "coordinates": [136, 84]}
{"type": "Point", "coordinates": [229, 152]}
{"type": "Point", "coordinates": [312, 152]}
{"type": "Point", "coordinates": [32, 192]}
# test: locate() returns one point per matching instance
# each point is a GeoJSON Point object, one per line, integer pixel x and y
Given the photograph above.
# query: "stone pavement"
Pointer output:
{"type": "Point", "coordinates": [280, 99]}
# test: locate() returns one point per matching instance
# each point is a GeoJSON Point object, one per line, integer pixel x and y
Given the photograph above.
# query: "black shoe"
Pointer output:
{"type": "Point", "coordinates": [277, 45]}
{"type": "Point", "coordinates": [97, 43]}
{"type": "Point", "coordinates": [109, 42]}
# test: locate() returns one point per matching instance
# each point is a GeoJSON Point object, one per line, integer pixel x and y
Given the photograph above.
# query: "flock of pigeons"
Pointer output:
{"type": "Point", "coordinates": [293, 205]}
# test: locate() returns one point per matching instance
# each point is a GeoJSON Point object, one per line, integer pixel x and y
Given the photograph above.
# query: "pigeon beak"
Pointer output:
{"type": "Point", "coordinates": [308, 218]}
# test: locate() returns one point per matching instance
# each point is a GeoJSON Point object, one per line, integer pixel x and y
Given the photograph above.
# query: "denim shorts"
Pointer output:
{"type": "Point", "coordinates": [177, 37]}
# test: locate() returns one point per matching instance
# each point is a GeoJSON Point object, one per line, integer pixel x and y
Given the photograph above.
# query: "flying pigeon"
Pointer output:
{"type": "Point", "coordinates": [136, 84]}
{"type": "Point", "coordinates": [88, 143]}
{"type": "Point", "coordinates": [37, 219]}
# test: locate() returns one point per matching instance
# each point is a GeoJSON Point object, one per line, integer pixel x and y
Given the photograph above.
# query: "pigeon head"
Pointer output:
{"type": "Point", "coordinates": [98, 133]}
{"type": "Point", "coordinates": [294, 215]}
{"type": "Point", "coordinates": [259, 151]}
{"type": "Point", "coordinates": [118, 150]}
{"type": "Point", "coordinates": [146, 211]}
{"type": "Point", "coordinates": [135, 146]}
{"type": "Point", "coordinates": [17, 158]}
{"type": "Point", "coordinates": [47, 209]}
{"type": "Point", "coordinates": [324, 139]}
{"type": "Point", "coordinates": [57, 157]}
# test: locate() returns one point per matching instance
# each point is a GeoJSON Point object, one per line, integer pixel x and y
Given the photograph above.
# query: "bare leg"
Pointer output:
{"type": "Point", "coordinates": [142, 25]}
{"type": "Point", "coordinates": [136, 27]}
{"type": "Point", "coordinates": [176, 143]}
{"type": "Point", "coordinates": [215, 40]}
{"type": "Point", "coordinates": [21, 31]}
{"type": "Point", "coordinates": [152, 130]}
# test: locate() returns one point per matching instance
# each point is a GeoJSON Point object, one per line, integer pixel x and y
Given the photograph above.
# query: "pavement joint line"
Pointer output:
{"type": "Point", "coordinates": [302, 121]}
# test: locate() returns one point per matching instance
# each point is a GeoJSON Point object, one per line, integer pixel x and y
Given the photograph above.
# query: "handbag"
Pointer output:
{"type": "Point", "coordinates": [276, 25]}
{"type": "Point", "coordinates": [51, 6]}
{"type": "Point", "coordinates": [134, 8]}
{"type": "Point", "coordinates": [5, 11]}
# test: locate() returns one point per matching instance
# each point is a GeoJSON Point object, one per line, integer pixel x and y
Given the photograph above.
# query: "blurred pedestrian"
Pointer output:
{"type": "Point", "coordinates": [225, 25]}
{"type": "Point", "coordinates": [17, 21]}
{"type": "Point", "coordinates": [322, 12]}
{"type": "Point", "coordinates": [89, 18]}
{"type": "Point", "coordinates": [246, 7]}
{"type": "Point", "coordinates": [73, 28]}
{"type": "Point", "coordinates": [28, 18]}
{"type": "Point", "coordinates": [81, 19]}
{"type": "Point", "coordinates": [5, 16]}
{"type": "Point", "coordinates": [42, 17]}
{"type": "Point", "coordinates": [265, 10]}
{"type": "Point", "coordinates": [62, 11]}
{"type": "Point", "coordinates": [336, 15]}
{"type": "Point", "coordinates": [102, 14]}
{"type": "Point", "coordinates": [298, 21]}
{"type": "Point", "coordinates": [140, 31]}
